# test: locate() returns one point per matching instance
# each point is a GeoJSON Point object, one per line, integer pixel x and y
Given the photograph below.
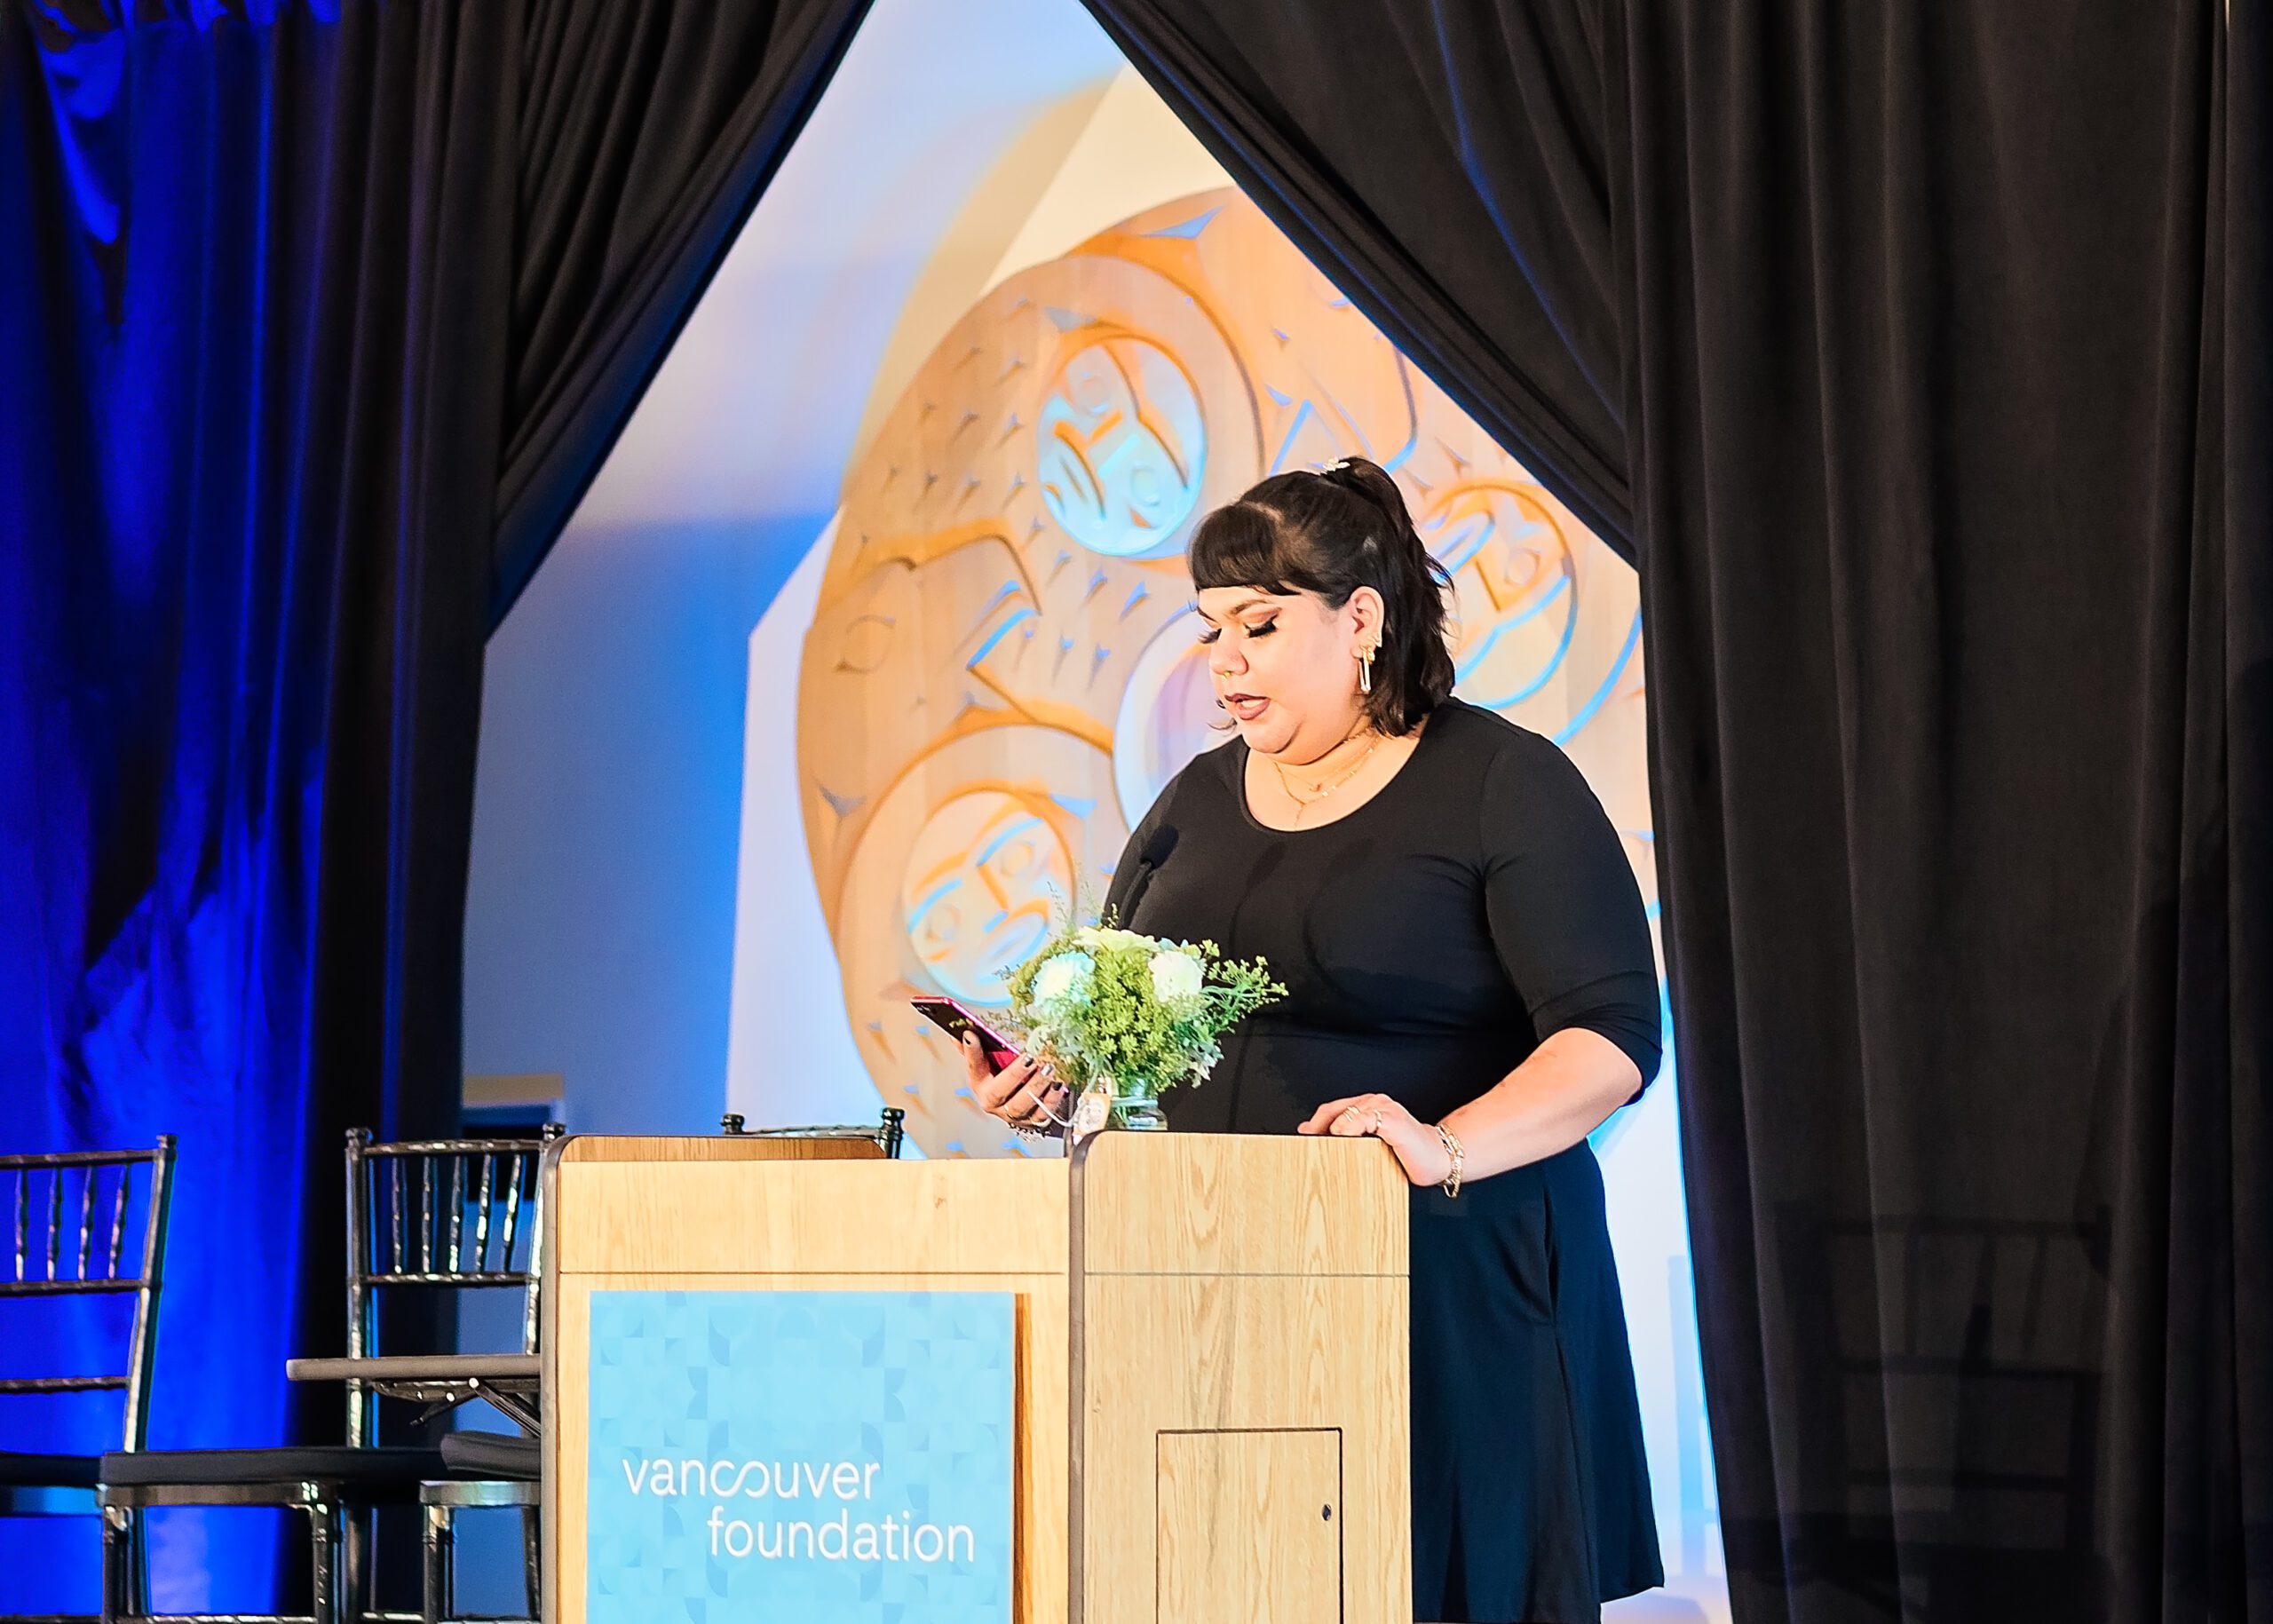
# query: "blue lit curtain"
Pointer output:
{"type": "Point", "coordinates": [315, 318]}
{"type": "Point", "coordinates": [244, 562]}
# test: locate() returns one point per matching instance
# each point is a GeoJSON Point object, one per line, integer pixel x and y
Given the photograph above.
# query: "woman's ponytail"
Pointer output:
{"type": "Point", "coordinates": [1415, 654]}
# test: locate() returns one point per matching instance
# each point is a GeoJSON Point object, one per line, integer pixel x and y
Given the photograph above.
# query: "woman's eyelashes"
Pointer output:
{"type": "Point", "coordinates": [1261, 629]}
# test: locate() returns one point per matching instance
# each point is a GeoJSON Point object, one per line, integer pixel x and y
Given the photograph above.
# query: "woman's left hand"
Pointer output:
{"type": "Point", "coordinates": [1419, 1150]}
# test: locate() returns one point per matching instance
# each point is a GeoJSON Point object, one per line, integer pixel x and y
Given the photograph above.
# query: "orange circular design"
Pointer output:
{"type": "Point", "coordinates": [1120, 448]}
{"type": "Point", "coordinates": [987, 876]}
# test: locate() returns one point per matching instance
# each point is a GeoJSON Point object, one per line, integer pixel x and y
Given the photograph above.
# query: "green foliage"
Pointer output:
{"type": "Point", "coordinates": [1143, 1013]}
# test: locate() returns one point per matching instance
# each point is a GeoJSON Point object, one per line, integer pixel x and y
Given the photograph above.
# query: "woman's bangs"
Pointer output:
{"type": "Point", "coordinates": [1240, 545]}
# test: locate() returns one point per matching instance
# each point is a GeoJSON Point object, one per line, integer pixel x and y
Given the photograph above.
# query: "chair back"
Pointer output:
{"type": "Point", "coordinates": [71, 1212]}
{"type": "Point", "coordinates": [451, 1213]}
{"type": "Point", "coordinates": [1988, 1320]}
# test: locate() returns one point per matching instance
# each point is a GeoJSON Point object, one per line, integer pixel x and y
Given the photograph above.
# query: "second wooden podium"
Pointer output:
{"type": "Point", "coordinates": [1210, 1388]}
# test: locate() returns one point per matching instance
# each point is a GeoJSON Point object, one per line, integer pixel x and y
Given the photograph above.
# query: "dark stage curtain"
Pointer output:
{"type": "Point", "coordinates": [1445, 163]}
{"type": "Point", "coordinates": [315, 316]}
{"type": "Point", "coordinates": [1920, 353]}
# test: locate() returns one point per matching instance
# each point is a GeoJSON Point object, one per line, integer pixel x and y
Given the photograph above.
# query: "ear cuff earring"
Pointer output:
{"type": "Point", "coordinates": [1365, 662]}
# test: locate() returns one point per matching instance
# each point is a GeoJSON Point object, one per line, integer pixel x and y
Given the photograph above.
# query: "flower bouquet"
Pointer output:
{"type": "Point", "coordinates": [1123, 1017]}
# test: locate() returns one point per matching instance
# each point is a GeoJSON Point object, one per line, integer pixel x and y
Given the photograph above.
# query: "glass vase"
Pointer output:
{"type": "Point", "coordinates": [1139, 1111]}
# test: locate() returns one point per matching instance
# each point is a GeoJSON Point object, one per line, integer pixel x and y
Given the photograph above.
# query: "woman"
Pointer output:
{"type": "Point", "coordinates": [1469, 978]}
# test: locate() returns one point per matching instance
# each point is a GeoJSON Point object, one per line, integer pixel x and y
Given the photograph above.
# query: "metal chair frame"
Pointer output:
{"type": "Point", "coordinates": [391, 1242]}
{"type": "Point", "coordinates": [52, 1271]}
{"type": "Point", "coordinates": [441, 1502]}
{"type": "Point", "coordinates": [431, 1254]}
{"type": "Point", "coordinates": [383, 1256]}
{"type": "Point", "coordinates": [1854, 1550]}
{"type": "Point", "coordinates": [125, 1549]}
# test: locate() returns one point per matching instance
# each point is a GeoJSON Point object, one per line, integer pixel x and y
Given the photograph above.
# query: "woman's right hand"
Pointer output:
{"type": "Point", "coordinates": [1018, 1092]}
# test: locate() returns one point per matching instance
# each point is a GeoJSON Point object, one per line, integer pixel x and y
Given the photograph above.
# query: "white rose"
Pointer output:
{"type": "Point", "coordinates": [1176, 976]}
{"type": "Point", "coordinates": [1103, 936]}
{"type": "Point", "coordinates": [1062, 977]}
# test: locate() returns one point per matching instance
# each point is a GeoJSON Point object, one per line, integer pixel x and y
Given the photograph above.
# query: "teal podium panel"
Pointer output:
{"type": "Point", "coordinates": [800, 1457]}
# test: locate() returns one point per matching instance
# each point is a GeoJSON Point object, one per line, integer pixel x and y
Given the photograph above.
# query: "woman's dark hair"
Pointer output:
{"type": "Point", "coordinates": [1330, 534]}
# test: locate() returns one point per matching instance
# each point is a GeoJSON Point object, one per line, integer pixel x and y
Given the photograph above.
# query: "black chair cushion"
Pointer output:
{"type": "Point", "coordinates": [47, 1471]}
{"type": "Point", "coordinates": [238, 1468]}
{"type": "Point", "coordinates": [493, 1457]}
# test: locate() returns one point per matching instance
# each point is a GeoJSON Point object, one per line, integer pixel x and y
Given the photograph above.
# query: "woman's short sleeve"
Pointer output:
{"type": "Point", "coordinates": [1566, 917]}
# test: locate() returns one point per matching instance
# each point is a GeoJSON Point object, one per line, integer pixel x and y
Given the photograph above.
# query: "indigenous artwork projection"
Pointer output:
{"type": "Point", "coordinates": [1003, 671]}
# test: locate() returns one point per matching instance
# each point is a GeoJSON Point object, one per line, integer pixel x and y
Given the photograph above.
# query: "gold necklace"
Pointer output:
{"type": "Point", "coordinates": [1333, 782]}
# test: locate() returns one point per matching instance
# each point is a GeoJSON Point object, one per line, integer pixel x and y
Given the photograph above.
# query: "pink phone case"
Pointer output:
{"type": "Point", "coordinates": [952, 1018]}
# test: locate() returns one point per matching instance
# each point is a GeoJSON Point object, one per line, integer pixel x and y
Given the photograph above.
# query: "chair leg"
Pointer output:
{"type": "Point", "coordinates": [324, 1540]}
{"type": "Point", "coordinates": [533, 1559]}
{"type": "Point", "coordinates": [138, 1558]}
{"type": "Point", "coordinates": [436, 1602]}
{"type": "Point", "coordinates": [358, 1556]}
{"type": "Point", "coordinates": [118, 1564]}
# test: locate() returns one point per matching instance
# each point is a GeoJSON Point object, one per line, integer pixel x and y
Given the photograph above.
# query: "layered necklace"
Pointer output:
{"type": "Point", "coordinates": [1311, 795]}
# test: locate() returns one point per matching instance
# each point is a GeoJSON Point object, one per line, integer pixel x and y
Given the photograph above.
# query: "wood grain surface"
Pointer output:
{"type": "Point", "coordinates": [1249, 1527]}
{"type": "Point", "coordinates": [1234, 1285]}
{"type": "Point", "coordinates": [1212, 1348]}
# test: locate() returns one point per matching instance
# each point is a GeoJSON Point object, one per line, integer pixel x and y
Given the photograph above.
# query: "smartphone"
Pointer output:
{"type": "Point", "coordinates": [952, 1018]}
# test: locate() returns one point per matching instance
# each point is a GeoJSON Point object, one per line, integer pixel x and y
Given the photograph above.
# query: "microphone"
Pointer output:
{"type": "Point", "coordinates": [1148, 863]}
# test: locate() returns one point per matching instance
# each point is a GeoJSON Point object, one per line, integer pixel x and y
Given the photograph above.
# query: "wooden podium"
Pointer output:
{"type": "Point", "coordinates": [1212, 1420]}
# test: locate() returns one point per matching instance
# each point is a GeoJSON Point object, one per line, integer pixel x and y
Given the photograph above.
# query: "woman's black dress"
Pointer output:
{"type": "Point", "coordinates": [1429, 940]}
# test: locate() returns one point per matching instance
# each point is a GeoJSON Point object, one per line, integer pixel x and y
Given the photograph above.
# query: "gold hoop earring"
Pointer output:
{"type": "Point", "coordinates": [1366, 669]}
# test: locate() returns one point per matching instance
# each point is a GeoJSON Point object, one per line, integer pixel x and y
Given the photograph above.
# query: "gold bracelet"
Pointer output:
{"type": "Point", "coordinates": [1459, 1153]}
